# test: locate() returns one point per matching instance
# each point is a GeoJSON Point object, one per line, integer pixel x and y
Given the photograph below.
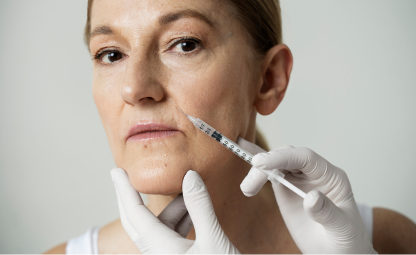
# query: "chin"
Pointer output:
{"type": "Point", "coordinates": [155, 180]}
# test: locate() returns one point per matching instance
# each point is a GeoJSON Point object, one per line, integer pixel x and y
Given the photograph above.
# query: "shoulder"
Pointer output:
{"type": "Point", "coordinates": [112, 238]}
{"type": "Point", "coordinates": [393, 232]}
{"type": "Point", "coordinates": [59, 249]}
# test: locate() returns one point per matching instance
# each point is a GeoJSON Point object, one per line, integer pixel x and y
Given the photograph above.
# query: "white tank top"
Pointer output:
{"type": "Point", "coordinates": [87, 243]}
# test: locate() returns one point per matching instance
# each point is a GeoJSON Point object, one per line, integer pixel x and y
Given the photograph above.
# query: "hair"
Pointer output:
{"type": "Point", "coordinates": [260, 18]}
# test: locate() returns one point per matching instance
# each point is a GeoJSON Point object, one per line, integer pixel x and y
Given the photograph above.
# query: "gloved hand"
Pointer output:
{"type": "Point", "coordinates": [327, 220]}
{"type": "Point", "coordinates": [166, 233]}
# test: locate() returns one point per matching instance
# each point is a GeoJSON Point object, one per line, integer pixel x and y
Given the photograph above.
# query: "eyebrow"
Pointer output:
{"type": "Point", "coordinates": [163, 20]}
{"type": "Point", "coordinates": [101, 30]}
{"type": "Point", "coordinates": [174, 16]}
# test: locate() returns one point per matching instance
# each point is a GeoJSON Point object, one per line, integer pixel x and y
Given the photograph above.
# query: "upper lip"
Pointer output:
{"type": "Point", "coordinates": [148, 127]}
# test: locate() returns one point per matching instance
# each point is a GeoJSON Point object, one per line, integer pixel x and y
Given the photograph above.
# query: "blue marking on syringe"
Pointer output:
{"type": "Point", "coordinates": [226, 142]}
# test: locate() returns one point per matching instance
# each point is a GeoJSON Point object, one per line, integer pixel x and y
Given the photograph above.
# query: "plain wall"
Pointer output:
{"type": "Point", "coordinates": [351, 99]}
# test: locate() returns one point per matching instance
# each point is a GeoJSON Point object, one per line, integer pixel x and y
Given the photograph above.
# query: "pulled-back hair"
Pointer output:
{"type": "Point", "coordinates": [260, 18]}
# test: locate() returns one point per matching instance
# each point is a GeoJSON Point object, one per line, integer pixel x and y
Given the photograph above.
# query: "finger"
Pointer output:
{"type": "Point", "coordinates": [136, 213]}
{"type": "Point", "coordinates": [200, 208]}
{"type": "Point", "coordinates": [253, 182]}
{"type": "Point", "coordinates": [184, 225]}
{"type": "Point", "coordinates": [293, 159]}
{"type": "Point", "coordinates": [322, 210]}
{"type": "Point", "coordinates": [255, 179]}
{"type": "Point", "coordinates": [126, 224]}
{"type": "Point", "coordinates": [174, 212]}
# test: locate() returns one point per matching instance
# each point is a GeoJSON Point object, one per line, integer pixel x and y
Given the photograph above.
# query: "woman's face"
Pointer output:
{"type": "Point", "coordinates": [154, 56]}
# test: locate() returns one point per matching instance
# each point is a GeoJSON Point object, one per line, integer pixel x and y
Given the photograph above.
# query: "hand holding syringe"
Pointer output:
{"type": "Point", "coordinates": [273, 175]}
{"type": "Point", "coordinates": [313, 219]}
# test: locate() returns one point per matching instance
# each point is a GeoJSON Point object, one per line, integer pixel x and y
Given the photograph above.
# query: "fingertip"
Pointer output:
{"type": "Point", "coordinates": [253, 182]}
{"type": "Point", "coordinates": [248, 194]}
{"type": "Point", "coordinates": [260, 160]}
{"type": "Point", "coordinates": [246, 189]}
{"type": "Point", "coordinates": [247, 186]}
{"type": "Point", "coordinates": [117, 169]}
{"type": "Point", "coordinates": [191, 175]}
{"type": "Point", "coordinates": [116, 172]}
{"type": "Point", "coordinates": [191, 182]}
{"type": "Point", "coordinates": [314, 201]}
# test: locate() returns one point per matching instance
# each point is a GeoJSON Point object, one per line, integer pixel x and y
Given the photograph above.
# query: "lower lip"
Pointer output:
{"type": "Point", "coordinates": [153, 135]}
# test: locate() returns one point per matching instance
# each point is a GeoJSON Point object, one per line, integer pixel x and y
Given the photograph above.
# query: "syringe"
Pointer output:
{"type": "Point", "coordinates": [273, 175]}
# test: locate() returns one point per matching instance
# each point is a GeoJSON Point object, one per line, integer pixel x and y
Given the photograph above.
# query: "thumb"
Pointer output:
{"type": "Point", "coordinates": [322, 210]}
{"type": "Point", "coordinates": [210, 236]}
{"type": "Point", "coordinates": [255, 179]}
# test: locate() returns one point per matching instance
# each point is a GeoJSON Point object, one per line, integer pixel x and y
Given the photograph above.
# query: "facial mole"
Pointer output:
{"type": "Point", "coordinates": [166, 165]}
{"type": "Point", "coordinates": [145, 146]}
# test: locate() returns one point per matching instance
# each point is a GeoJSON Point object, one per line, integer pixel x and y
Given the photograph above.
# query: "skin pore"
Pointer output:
{"type": "Point", "coordinates": [151, 56]}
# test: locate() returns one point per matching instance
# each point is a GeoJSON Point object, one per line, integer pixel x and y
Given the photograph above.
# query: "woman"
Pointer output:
{"type": "Point", "coordinates": [223, 62]}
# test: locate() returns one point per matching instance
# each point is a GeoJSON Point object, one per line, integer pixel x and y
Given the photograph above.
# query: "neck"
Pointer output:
{"type": "Point", "coordinates": [249, 222]}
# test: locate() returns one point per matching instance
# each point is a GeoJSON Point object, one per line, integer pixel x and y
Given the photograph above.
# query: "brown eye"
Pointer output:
{"type": "Point", "coordinates": [112, 57]}
{"type": "Point", "coordinates": [186, 46]}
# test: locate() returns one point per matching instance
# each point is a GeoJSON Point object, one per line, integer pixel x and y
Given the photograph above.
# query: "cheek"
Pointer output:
{"type": "Point", "coordinates": [109, 106]}
{"type": "Point", "coordinates": [217, 94]}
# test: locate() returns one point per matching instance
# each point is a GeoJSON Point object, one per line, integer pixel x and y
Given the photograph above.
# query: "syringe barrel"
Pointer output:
{"type": "Point", "coordinates": [273, 175]}
{"type": "Point", "coordinates": [226, 142]}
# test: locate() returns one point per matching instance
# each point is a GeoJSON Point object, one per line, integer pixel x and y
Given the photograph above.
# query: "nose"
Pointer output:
{"type": "Point", "coordinates": [140, 83]}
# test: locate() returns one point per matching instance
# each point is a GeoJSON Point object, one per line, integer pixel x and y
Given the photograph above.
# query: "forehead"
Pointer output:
{"type": "Point", "coordinates": [138, 14]}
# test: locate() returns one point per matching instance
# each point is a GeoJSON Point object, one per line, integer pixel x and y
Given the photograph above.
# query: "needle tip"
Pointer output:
{"type": "Point", "coordinates": [181, 111]}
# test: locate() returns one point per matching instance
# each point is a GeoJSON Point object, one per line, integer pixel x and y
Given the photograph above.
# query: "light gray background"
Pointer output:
{"type": "Point", "coordinates": [352, 98]}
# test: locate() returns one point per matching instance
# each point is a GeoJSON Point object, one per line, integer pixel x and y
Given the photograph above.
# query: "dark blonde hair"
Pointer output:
{"type": "Point", "coordinates": [262, 21]}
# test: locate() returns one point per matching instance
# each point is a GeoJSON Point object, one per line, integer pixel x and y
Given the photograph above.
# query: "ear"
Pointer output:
{"type": "Point", "coordinates": [276, 69]}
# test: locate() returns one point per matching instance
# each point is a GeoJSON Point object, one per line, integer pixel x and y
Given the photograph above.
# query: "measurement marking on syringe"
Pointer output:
{"type": "Point", "coordinates": [219, 138]}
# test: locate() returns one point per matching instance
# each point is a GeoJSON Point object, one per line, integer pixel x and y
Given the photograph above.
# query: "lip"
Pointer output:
{"type": "Point", "coordinates": [147, 131]}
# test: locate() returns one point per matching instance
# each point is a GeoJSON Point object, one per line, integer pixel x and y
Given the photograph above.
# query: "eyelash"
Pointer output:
{"type": "Point", "coordinates": [199, 42]}
{"type": "Point", "coordinates": [98, 56]}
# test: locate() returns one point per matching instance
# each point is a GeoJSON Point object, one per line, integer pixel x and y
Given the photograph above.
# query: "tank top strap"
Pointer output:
{"type": "Point", "coordinates": [86, 243]}
{"type": "Point", "coordinates": [367, 216]}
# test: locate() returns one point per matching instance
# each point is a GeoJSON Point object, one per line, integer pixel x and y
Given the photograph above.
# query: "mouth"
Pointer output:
{"type": "Point", "coordinates": [150, 131]}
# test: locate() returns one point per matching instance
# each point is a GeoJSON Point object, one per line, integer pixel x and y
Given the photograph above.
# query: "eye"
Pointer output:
{"type": "Point", "coordinates": [108, 56]}
{"type": "Point", "coordinates": [111, 57]}
{"type": "Point", "coordinates": [186, 45]}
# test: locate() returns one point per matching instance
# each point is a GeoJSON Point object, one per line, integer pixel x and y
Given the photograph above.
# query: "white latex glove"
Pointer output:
{"type": "Point", "coordinates": [327, 220]}
{"type": "Point", "coordinates": [166, 233]}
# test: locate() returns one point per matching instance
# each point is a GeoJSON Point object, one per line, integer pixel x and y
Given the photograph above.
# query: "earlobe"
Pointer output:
{"type": "Point", "coordinates": [276, 69]}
